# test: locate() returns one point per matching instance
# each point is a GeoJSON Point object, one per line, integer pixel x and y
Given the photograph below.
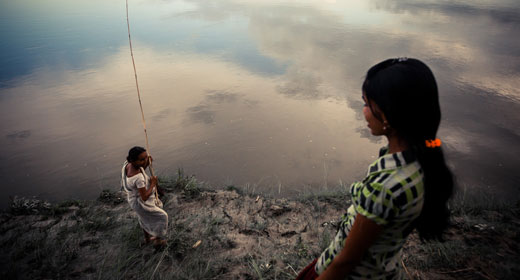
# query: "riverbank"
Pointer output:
{"type": "Point", "coordinates": [242, 236]}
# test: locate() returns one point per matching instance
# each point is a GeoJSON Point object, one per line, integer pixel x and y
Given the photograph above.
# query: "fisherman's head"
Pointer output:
{"type": "Point", "coordinates": [405, 92]}
{"type": "Point", "coordinates": [138, 157]}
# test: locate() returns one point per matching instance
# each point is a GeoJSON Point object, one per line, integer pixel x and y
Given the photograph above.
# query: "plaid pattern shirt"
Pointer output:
{"type": "Point", "coordinates": [390, 195]}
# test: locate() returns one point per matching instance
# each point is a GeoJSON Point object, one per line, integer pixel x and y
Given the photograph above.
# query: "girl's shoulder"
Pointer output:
{"type": "Point", "coordinates": [136, 181]}
{"type": "Point", "coordinates": [130, 172]}
{"type": "Point", "coordinates": [390, 175]}
{"type": "Point", "coordinates": [136, 177]}
{"type": "Point", "coordinates": [393, 178]}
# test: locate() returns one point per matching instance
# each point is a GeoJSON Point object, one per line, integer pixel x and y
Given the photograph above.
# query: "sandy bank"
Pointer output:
{"type": "Point", "coordinates": [244, 236]}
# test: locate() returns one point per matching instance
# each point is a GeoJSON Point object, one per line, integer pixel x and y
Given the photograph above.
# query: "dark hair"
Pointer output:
{"type": "Point", "coordinates": [134, 153]}
{"type": "Point", "coordinates": [406, 92]}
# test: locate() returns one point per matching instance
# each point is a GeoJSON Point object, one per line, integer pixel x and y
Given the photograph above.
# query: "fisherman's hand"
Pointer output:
{"type": "Point", "coordinates": [153, 181]}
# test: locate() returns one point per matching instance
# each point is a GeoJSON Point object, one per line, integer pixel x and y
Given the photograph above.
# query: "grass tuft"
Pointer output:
{"type": "Point", "coordinates": [187, 185]}
{"type": "Point", "coordinates": [110, 197]}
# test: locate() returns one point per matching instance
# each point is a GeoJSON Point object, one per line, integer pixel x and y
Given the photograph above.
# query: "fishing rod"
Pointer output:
{"type": "Point", "coordinates": [139, 98]}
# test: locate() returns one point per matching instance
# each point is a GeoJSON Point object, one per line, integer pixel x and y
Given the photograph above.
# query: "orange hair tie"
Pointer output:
{"type": "Point", "coordinates": [433, 143]}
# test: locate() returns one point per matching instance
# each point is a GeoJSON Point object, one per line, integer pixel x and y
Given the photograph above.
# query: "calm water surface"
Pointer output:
{"type": "Point", "coordinates": [260, 94]}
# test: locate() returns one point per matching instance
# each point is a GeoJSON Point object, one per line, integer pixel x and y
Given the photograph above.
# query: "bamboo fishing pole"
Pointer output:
{"type": "Point", "coordinates": [139, 97]}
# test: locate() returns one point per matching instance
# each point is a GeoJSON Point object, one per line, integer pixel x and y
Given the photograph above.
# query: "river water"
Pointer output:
{"type": "Point", "coordinates": [259, 94]}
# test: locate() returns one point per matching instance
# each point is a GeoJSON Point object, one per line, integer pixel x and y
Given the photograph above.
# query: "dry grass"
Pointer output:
{"type": "Point", "coordinates": [244, 236]}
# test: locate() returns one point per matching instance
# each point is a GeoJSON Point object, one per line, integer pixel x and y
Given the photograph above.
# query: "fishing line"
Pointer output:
{"type": "Point", "coordinates": [139, 95]}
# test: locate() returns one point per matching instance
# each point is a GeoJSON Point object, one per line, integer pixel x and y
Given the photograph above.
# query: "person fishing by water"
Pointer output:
{"type": "Point", "coordinates": [140, 190]}
{"type": "Point", "coordinates": [406, 188]}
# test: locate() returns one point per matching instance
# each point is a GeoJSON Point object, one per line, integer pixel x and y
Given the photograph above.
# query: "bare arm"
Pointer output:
{"type": "Point", "coordinates": [362, 235]}
{"type": "Point", "coordinates": [145, 193]}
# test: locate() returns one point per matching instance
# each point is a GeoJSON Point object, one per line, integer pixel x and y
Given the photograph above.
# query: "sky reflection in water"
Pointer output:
{"type": "Point", "coordinates": [258, 93]}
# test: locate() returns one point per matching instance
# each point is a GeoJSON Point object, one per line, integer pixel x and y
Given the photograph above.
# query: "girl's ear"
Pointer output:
{"type": "Point", "coordinates": [383, 117]}
{"type": "Point", "coordinates": [378, 113]}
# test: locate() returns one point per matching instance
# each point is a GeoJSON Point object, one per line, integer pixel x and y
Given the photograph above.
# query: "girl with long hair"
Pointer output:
{"type": "Point", "coordinates": [406, 188]}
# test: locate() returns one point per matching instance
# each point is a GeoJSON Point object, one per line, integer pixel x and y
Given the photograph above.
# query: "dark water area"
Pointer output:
{"type": "Point", "coordinates": [263, 95]}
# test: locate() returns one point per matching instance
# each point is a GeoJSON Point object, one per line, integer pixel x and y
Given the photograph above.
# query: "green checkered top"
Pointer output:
{"type": "Point", "coordinates": [391, 195]}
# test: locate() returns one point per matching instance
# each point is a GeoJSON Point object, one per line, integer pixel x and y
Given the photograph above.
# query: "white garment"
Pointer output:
{"type": "Point", "coordinates": [152, 218]}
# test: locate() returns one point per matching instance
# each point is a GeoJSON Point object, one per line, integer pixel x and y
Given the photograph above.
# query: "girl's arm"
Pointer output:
{"type": "Point", "coordinates": [362, 235]}
{"type": "Point", "coordinates": [145, 193]}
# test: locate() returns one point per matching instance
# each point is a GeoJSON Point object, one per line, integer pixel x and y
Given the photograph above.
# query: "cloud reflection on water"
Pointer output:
{"type": "Point", "coordinates": [212, 117]}
{"type": "Point", "coordinates": [257, 89]}
{"type": "Point", "coordinates": [472, 48]}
